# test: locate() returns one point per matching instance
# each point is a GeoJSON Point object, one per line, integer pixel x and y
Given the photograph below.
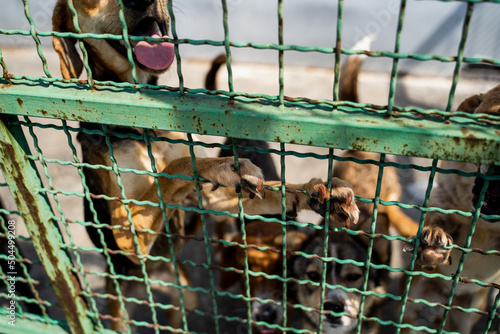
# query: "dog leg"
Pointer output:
{"type": "Point", "coordinates": [431, 252]}
{"type": "Point", "coordinates": [219, 171]}
{"type": "Point", "coordinates": [129, 289]}
{"type": "Point", "coordinates": [404, 225]}
{"type": "Point", "coordinates": [343, 208]}
{"type": "Point", "coordinates": [190, 299]}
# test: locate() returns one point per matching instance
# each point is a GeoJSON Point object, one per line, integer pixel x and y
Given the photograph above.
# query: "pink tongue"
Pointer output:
{"type": "Point", "coordinates": [156, 56]}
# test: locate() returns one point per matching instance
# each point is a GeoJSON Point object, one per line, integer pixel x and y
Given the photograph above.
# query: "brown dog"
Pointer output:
{"type": "Point", "coordinates": [139, 229]}
{"type": "Point", "coordinates": [269, 261]}
{"type": "Point", "coordinates": [456, 192]}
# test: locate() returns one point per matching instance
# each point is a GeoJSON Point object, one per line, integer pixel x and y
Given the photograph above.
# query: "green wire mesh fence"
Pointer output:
{"type": "Point", "coordinates": [64, 281]}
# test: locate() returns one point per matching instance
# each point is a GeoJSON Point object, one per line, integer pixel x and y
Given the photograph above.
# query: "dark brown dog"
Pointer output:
{"type": "Point", "coordinates": [456, 192]}
{"type": "Point", "coordinates": [140, 228]}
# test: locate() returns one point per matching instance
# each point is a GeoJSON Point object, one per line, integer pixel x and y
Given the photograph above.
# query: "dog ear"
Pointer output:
{"type": "Point", "coordinates": [471, 103]}
{"type": "Point", "coordinates": [71, 63]}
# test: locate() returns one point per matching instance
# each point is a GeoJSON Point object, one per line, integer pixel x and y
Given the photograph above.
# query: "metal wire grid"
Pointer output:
{"type": "Point", "coordinates": [23, 264]}
{"type": "Point", "coordinates": [281, 100]}
{"type": "Point", "coordinates": [92, 295]}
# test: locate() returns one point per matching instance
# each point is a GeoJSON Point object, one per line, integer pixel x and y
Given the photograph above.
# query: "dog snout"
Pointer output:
{"type": "Point", "coordinates": [138, 5]}
{"type": "Point", "coordinates": [267, 313]}
{"type": "Point", "coordinates": [336, 307]}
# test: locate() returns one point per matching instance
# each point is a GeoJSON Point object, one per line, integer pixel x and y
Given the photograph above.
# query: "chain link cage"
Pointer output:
{"type": "Point", "coordinates": [55, 280]}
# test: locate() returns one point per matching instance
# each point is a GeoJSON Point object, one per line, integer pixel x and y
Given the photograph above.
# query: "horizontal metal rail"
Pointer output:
{"type": "Point", "coordinates": [404, 133]}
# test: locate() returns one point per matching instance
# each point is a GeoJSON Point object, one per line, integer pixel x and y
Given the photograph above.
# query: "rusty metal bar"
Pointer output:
{"type": "Point", "coordinates": [451, 138]}
{"type": "Point", "coordinates": [24, 182]}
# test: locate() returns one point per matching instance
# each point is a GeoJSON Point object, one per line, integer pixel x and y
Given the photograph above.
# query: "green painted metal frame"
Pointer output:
{"type": "Point", "coordinates": [404, 133]}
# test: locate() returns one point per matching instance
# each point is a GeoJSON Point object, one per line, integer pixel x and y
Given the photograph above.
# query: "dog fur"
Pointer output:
{"type": "Point", "coordinates": [340, 276]}
{"type": "Point", "coordinates": [452, 191]}
{"type": "Point", "coordinates": [365, 187]}
{"type": "Point", "coordinates": [270, 261]}
{"type": "Point", "coordinates": [107, 61]}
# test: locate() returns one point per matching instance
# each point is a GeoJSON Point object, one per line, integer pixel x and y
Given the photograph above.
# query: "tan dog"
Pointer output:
{"type": "Point", "coordinates": [269, 261]}
{"type": "Point", "coordinates": [365, 187]}
{"type": "Point", "coordinates": [453, 191]}
{"type": "Point", "coordinates": [108, 61]}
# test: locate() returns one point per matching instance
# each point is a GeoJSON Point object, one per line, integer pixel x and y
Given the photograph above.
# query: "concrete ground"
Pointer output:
{"type": "Point", "coordinates": [299, 81]}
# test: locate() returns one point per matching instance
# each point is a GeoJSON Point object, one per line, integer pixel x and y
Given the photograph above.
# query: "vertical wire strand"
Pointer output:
{"type": "Point", "coordinates": [460, 55]}
{"type": "Point", "coordinates": [85, 54]}
{"type": "Point", "coordinates": [241, 217]}
{"type": "Point", "coordinates": [116, 172]}
{"type": "Point", "coordinates": [112, 273]}
{"type": "Point", "coordinates": [4, 68]}
{"type": "Point", "coordinates": [227, 48]}
{"type": "Point", "coordinates": [30, 281]}
{"type": "Point", "coordinates": [468, 241]}
{"type": "Point", "coordinates": [80, 265]}
{"type": "Point", "coordinates": [76, 255]}
{"type": "Point", "coordinates": [492, 312]}
{"type": "Point", "coordinates": [34, 35]}
{"type": "Point", "coordinates": [283, 231]}
{"type": "Point", "coordinates": [326, 229]}
{"type": "Point", "coordinates": [373, 225]}
{"type": "Point", "coordinates": [173, 28]}
{"type": "Point", "coordinates": [126, 41]}
{"type": "Point", "coordinates": [173, 255]}
{"type": "Point", "coordinates": [338, 51]}
{"type": "Point", "coordinates": [206, 237]}
{"type": "Point", "coordinates": [395, 61]}
{"type": "Point", "coordinates": [281, 54]}
{"type": "Point", "coordinates": [404, 299]}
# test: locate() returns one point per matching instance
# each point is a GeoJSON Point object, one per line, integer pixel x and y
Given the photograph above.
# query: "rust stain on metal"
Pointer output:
{"type": "Point", "coordinates": [66, 297]}
{"type": "Point", "coordinates": [20, 102]}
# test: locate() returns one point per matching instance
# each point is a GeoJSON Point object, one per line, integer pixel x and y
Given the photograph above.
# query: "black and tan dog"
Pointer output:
{"type": "Point", "coordinates": [455, 192]}
{"type": "Point", "coordinates": [108, 61]}
{"type": "Point", "coordinates": [344, 282]}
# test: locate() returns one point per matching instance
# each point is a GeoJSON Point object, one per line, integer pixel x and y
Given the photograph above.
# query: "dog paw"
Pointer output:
{"type": "Point", "coordinates": [223, 172]}
{"type": "Point", "coordinates": [431, 252]}
{"type": "Point", "coordinates": [343, 208]}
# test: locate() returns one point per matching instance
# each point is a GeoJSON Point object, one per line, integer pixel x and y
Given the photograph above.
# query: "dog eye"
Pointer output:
{"type": "Point", "coordinates": [313, 276]}
{"type": "Point", "coordinates": [353, 277]}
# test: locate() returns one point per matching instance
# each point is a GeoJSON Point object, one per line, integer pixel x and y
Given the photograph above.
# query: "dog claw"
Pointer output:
{"type": "Point", "coordinates": [321, 193]}
{"type": "Point", "coordinates": [215, 186]}
{"type": "Point", "coordinates": [343, 208]}
{"type": "Point", "coordinates": [432, 251]}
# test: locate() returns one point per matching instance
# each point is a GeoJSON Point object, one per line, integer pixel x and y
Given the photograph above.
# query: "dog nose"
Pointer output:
{"type": "Point", "coordinates": [137, 4]}
{"type": "Point", "coordinates": [266, 313]}
{"type": "Point", "coordinates": [334, 307]}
